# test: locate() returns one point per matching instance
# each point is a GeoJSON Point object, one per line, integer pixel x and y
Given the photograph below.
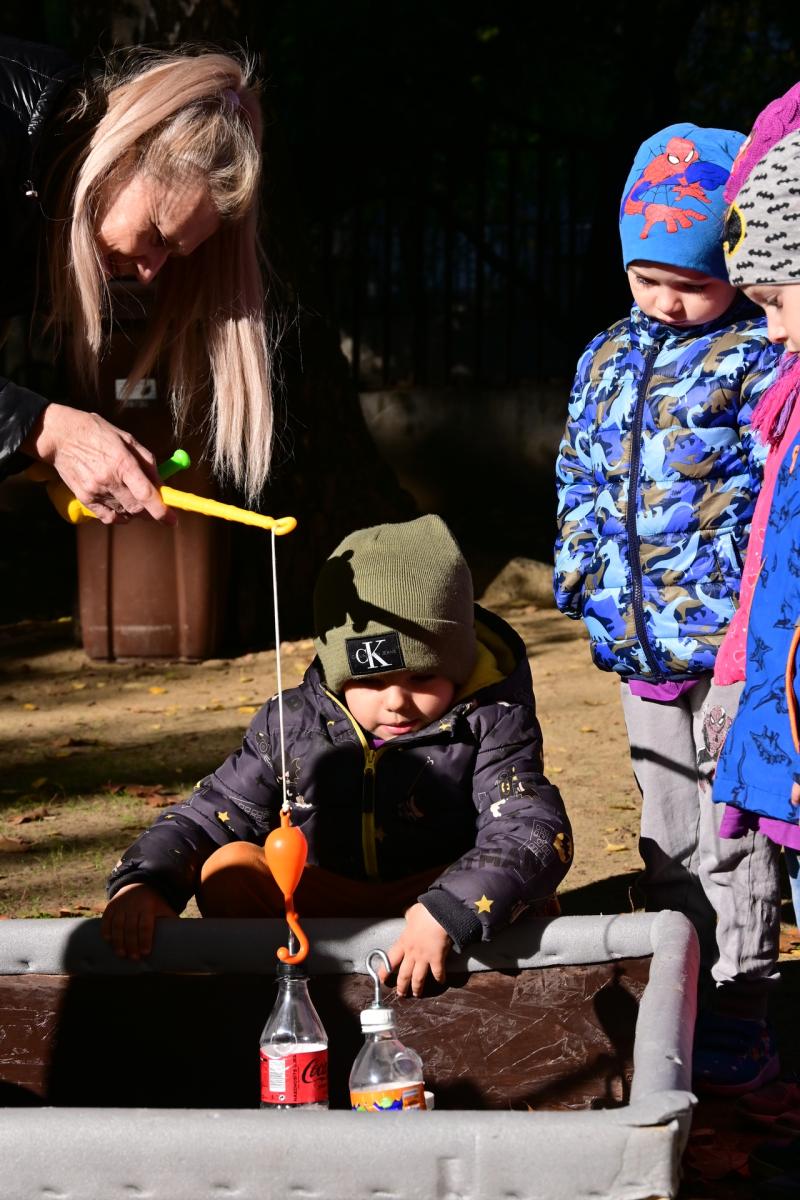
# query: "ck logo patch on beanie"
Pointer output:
{"type": "Point", "coordinates": [369, 655]}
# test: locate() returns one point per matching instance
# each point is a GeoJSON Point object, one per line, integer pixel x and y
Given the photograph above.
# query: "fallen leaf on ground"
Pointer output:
{"type": "Point", "coordinates": [615, 847]}
{"type": "Point", "coordinates": [13, 845]}
{"type": "Point", "coordinates": [78, 687]}
{"type": "Point", "coordinates": [30, 707]}
{"type": "Point", "coordinates": [248, 709]}
{"type": "Point", "coordinates": [156, 691]}
{"type": "Point", "coordinates": [39, 783]}
{"type": "Point", "coordinates": [588, 729]}
{"type": "Point", "coordinates": [556, 770]}
{"type": "Point", "coordinates": [147, 789]}
{"type": "Point", "coordinates": [160, 799]}
{"type": "Point", "coordinates": [66, 740]}
{"type": "Point", "coordinates": [34, 814]}
{"type": "Point", "coordinates": [790, 939]}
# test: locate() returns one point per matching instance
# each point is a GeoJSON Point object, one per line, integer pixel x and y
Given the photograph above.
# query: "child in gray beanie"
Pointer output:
{"type": "Point", "coordinates": [415, 772]}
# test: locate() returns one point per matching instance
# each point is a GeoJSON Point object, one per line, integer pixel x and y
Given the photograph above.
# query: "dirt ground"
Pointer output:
{"type": "Point", "coordinates": [90, 750]}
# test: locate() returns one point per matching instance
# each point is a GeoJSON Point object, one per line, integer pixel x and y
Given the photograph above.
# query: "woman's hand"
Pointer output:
{"type": "Point", "coordinates": [422, 946]}
{"type": "Point", "coordinates": [103, 466]}
{"type": "Point", "coordinates": [129, 920]}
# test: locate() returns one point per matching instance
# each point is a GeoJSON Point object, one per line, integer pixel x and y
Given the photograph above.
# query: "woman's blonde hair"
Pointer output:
{"type": "Point", "coordinates": [181, 118]}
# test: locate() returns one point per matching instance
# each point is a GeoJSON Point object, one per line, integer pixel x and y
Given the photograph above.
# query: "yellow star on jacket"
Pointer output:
{"type": "Point", "coordinates": [223, 816]}
{"type": "Point", "coordinates": [483, 905]}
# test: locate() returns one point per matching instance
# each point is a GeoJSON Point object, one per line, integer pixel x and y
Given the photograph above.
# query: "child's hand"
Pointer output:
{"type": "Point", "coordinates": [795, 796]}
{"type": "Point", "coordinates": [423, 944]}
{"type": "Point", "coordinates": [130, 917]}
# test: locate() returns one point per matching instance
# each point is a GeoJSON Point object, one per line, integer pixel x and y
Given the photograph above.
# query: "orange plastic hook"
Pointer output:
{"type": "Point", "coordinates": [285, 852]}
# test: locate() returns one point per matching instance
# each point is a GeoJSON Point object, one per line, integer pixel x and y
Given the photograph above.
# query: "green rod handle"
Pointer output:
{"type": "Point", "coordinates": [178, 461]}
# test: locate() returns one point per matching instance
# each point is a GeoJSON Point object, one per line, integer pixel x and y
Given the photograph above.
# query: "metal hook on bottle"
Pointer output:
{"type": "Point", "coordinates": [371, 971]}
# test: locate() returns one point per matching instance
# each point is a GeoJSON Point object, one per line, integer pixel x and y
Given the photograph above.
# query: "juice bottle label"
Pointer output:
{"type": "Point", "coordinates": [300, 1078]}
{"type": "Point", "coordinates": [394, 1097]}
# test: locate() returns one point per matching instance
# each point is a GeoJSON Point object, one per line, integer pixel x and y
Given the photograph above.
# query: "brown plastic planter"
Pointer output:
{"type": "Point", "coordinates": [147, 591]}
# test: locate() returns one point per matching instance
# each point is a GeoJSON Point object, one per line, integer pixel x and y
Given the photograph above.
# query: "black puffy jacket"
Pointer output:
{"type": "Point", "coordinates": [34, 81]}
{"type": "Point", "coordinates": [468, 790]}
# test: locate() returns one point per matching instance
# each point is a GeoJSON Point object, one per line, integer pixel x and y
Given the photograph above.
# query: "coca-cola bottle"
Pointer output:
{"type": "Point", "coordinates": [294, 1047]}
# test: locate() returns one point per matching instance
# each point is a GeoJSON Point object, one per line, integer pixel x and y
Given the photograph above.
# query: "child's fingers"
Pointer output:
{"type": "Point", "coordinates": [118, 935]}
{"type": "Point", "coordinates": [437, 970]}
{"type": "Point", "coordinates": [404, 974]}
{"type": "Point", "coordinates": [419, 976]}
{"type": "Point", "coordinates": [146, 927]}
{"type": "Point", "coordinates": [395, 955]}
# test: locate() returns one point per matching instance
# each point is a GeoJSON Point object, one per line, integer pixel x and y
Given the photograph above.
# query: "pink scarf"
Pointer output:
{"type": "Point", "coordinates": [775, 406]}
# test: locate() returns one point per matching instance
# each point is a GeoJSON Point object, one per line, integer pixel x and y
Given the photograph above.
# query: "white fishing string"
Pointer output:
{"type": "Point", "coordinates": [278, 672]}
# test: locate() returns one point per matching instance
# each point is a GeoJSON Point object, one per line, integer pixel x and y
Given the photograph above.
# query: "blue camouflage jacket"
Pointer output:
{"type": "Point", "coordinates": [657, 478]}
{"type": "Point", "coordinates": [761, 757]}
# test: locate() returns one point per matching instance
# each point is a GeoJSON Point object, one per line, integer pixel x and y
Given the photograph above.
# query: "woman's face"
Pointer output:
{"type": "Point", "coordinates": [144, 220]}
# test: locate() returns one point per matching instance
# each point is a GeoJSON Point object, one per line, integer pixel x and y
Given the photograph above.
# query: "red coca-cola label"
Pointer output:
{"type": "Point", "coordinates": [300, 1078]}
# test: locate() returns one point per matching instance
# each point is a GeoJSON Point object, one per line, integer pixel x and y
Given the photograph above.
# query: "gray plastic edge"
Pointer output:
{"type": "Point", "coordinates": [634, 1150]}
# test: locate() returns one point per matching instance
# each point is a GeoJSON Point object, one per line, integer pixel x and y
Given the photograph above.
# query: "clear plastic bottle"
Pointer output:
{"type": "Point", "coordinates": [294, 1047]}
{"type": "Point", "coordinates": [386, 1076]}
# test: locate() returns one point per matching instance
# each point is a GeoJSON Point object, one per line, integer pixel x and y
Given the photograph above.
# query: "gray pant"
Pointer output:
{"type": "Point", "coordinates": [728, 888]}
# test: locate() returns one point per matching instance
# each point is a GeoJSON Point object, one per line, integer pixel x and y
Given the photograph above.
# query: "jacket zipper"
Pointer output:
{"type": "Point", "coordinates": [633, 505]}
{"type": "Point", "coordinates": [369, 847]}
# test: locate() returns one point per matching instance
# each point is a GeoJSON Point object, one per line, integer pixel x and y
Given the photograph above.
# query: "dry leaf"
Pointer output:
{"type": "Point", "coordinates": [39, 783]}
{"type": "Point", "coordinates": [66, 740]}
{"type": "Point", "coordinates": [156, 691]}
{"type": "Point", "coordinates": [13, 845]}
{"type": "Point", "coordinates": [248, 709]}
{"type": "Point", "coordinates": [160, 799]}
{"type": "Point", "coordinates": [790, 939]}
{"type": "Point", "coordinates": [615, 847]}
{"type": "Point", "coordinates": [33, 814]}
{"type": "Point", "coordinates": [555, 771]}
{"type": "Point", "coordinates": [78, 687]}
{"type": "Point", "coordinates": [30, 707]}
{"type": "Point", "coordinates": [588, 729]}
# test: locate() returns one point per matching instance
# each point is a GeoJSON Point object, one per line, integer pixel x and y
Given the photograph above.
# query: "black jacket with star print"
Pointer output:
{"type": "Point", "coordinates": [468, 790]}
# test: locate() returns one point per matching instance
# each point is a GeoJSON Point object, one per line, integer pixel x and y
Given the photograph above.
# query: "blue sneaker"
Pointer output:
{"type": "Point", "coordinates": [733, 1055]}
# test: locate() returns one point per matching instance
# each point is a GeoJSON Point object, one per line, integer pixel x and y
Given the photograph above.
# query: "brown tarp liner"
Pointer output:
{"type": "Point", "coordinates": [549, 1038]}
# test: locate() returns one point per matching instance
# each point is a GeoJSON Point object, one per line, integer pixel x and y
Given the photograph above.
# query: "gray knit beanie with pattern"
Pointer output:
{"type": "Point", "coordinates": [395, 598]}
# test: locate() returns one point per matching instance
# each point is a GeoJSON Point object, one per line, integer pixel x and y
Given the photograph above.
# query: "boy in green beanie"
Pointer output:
{"type": "Point", "coordinates": [415, 772]}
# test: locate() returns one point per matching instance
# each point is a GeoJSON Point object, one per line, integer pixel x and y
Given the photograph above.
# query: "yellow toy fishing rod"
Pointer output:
{"type": "Point", "coordinates": [71, 509]}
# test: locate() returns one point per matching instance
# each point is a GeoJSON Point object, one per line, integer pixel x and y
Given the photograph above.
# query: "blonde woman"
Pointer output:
{"type": "Point", "coordinates": [149, 171]}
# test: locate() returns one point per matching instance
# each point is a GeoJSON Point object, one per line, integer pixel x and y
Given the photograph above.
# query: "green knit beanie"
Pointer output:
{"type": "Point", "coordinates": [395, 598]}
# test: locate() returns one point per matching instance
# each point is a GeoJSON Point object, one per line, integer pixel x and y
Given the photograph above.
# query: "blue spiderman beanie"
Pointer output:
{"type": "Point", "coordinates": [673, 208]}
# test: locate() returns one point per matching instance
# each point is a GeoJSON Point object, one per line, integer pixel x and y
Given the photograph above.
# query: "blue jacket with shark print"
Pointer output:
{"type": "Point", "coordinates": [657, 478]}
{"type": "Point", "coordinates": [761, 757]}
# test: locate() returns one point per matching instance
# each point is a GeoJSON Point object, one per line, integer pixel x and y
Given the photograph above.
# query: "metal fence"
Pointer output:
{"type": "Point", "coordinates": [464, 277]}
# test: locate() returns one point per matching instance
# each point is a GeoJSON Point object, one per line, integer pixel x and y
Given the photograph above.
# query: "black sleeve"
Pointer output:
{"type": "Point", "coordinates": [523, 846]}
{"type": "Point", "coordinates": [19, 411]}
{"type": "Point", "coordinates": [240, 800]}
